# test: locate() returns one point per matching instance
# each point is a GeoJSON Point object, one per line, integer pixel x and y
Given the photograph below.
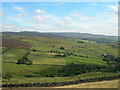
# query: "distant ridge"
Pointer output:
{"type": "Point", "coordinates": [68, 35]}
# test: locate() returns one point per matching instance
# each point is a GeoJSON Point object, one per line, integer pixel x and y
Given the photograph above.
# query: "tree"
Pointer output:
{"type": "Point", "coordinates": [62, 48]}
{"type": "Point", "coordinates": [29, 62]}
{"type": "Point", "coordinates": [80, 41]}
{"type": "Point", "coordinates": [25, 60]}
{"type": "Point", "coordinates": [21, 61]}
{"type": "Point", "coordinates": [34, 50]}
{"type": "Point", "coordinates": [53, 46]}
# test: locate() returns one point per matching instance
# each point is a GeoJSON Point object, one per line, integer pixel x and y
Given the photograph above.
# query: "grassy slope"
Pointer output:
{"type": "Point", "coordinates": [13, 55]}
{"type": "Point", "coordinates": [42, 61]}
{"type": "Point", "coordinates": [21, 70]}
{"type": "Point", "coordinates": [57, 79]}
{"type": "Point", "coordinates": [81, 60]}
{"type": "Point", "coordinates": [103, 84]}
{"type": "Point", "coordinates": [46, 58]}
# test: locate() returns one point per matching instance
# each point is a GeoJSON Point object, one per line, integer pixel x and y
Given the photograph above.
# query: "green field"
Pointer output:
{"type": "Point", "coordinates": [45, 64]}
{"type": "Point", "coordinates": [81, 60]}
{"type": "Point", "coordinates": [57, 79]}
{"type": "Point", "coordinates": [13, 55]}
{"type": "Point", "coordinates": [46, 58]}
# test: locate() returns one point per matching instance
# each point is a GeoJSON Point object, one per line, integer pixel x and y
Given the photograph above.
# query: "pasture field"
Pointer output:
{"type": "Point", "coordinates": [57, 79]}
{"type": "Point", "coordinates": [46, 66]}
{"type": "Point", "coordinates": [4, 49]}
{"type": "Point", "coordinates": [81, 60]}
{"type": "Point", "coordinates": [46, 58]}
{"type": "Point", "coordinates": [13, 55]}
{"type": "Point", "coordinates": [24, 70]}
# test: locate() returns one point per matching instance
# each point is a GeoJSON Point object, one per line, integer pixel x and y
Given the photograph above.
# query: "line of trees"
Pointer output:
{"type": "Point", "coordinates": [25, 60]}
{"type": "Point", "coordinates": [64, 54]}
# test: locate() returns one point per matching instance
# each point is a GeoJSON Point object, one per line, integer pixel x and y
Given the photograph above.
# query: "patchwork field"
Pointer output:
{"type": "Point", "coordinates": [13, 55]}
{"type": "Point", "coordinates": [46, 58]}
{"type": "Point", "coordinates": [51, 57]}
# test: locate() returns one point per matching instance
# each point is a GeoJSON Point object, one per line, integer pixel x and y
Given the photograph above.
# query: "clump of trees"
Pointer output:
{"type": "Point", "coordinates": [75, 69]}
{"type": "Point", "coordinates": [113, 62]}
{"type": "Point", "coordinates": [30, 75]}
{"type": "Point", "coordinates": [62, 48]}
{"type": "Point", "coordinates": [25, 60]}
{"type": "Point", "coordinates": [80, 41]}
{"type": "Point", "coordinates": [53, 51]}
{"type": "Point", "coordinates": [33, 50]}
{"type": "Point", "coordinates": [53, 46]}
{"type": "Point", "coordinates": [60, 55]}
{"type": "Point", "coordinates": [73, 54]}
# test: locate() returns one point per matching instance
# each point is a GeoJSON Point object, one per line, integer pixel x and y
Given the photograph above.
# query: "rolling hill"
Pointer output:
{"type": "Point", "coordinates": [55, 57]}
{"type": "Point", "coordinates": [68, 35]}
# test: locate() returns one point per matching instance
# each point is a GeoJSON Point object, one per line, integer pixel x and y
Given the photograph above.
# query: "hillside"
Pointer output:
{"type": "Point", "coordinates": [45, 58]}
{"type": "Point", "coordinates": [67, 35]}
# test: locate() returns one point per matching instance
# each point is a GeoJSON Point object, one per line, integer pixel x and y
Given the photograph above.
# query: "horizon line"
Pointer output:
{"type": "Point", "coordinates": [58, 32]}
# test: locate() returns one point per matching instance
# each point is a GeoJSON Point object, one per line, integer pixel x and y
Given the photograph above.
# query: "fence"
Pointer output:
{"type": "Point", "coordinates": [53, 84]}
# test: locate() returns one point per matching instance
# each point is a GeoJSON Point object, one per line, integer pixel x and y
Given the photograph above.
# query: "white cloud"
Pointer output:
{"type": "Point", "coordinates": [73, 14]}
{"type": "Point", "coordinates": [39, 11]}
{"type": "Point", "coordinates": [1, 13]}
{"type": "Point", "coordinates": [16, 28]}
{"type": "Point", "coordinates": [68, 18]}
{"type": "Point", "coordinates": [39, 19]}
{"type": "Point", "coordinates": [113, 8]}
{"type": "Point", "coordinates": [19, 9]}
{"type": "Point", "coordinates": [80, 16]}
{"type": "Point", "coordinates": [17, 19]}
{"type": "Point", "coordinates": [85, 18]}
{"type": "Point", "coordinates": [75, 22]}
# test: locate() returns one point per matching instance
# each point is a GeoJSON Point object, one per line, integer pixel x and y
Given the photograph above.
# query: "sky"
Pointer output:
{"type": "Point", "coordinates": [80, 17]}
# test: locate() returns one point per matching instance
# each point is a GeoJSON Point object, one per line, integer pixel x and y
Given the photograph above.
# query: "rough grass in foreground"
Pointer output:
{"type": "Point", "coordinates": [103, 84]}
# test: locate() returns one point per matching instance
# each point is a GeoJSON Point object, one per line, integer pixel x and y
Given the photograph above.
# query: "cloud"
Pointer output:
{"type": "Point", "coordinates": [39, 11]}
{"type": "Point", "coordinates": [113, 8]}
{"type": "Point", "coordinates": [42, 21]}
{"type": "Point", "coordinates": [19, 9]}
{"type": "Point", "coordinates": [1, 13]}
{"type": "Point", "coordinates": [67, 18]}
{"type": "Point", "coordinates": [17, 19]}
{"type": "Point", "coordinates": [39, 19]}
{"type": "Point", "coordinates": [73, 14]}
{"type": "Point", "coordinates": [16, 28]}
{"type": "Point", "coordinates": [79, 16]}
